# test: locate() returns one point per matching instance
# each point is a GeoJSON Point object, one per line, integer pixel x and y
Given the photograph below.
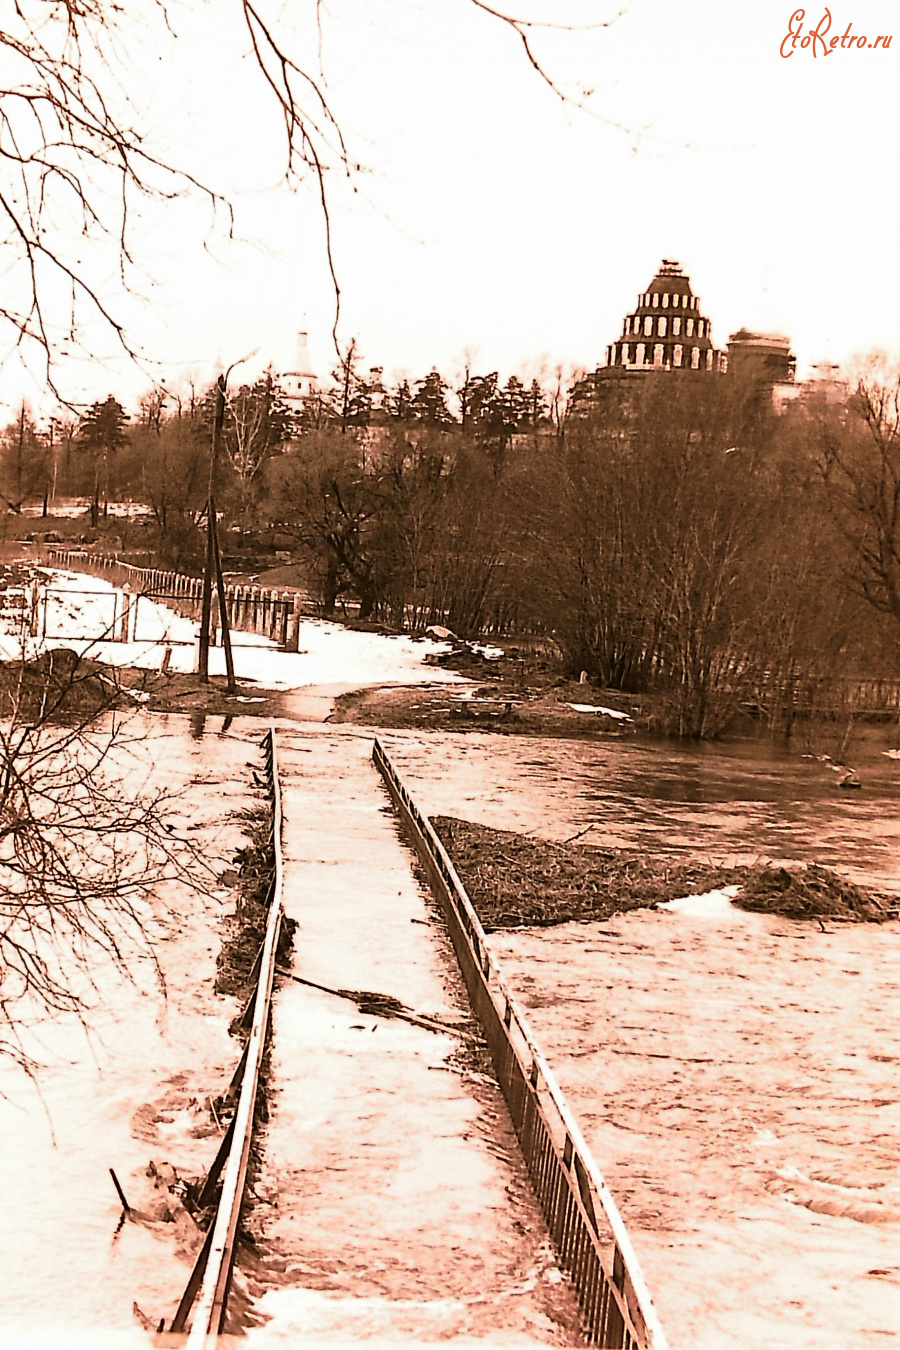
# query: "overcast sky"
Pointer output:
{"type": "Point", "coordinates": [491, 219]}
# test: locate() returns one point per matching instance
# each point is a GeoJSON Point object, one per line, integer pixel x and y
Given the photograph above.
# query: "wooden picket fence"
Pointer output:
{"type": "Point", "coordinates": [274, 614]}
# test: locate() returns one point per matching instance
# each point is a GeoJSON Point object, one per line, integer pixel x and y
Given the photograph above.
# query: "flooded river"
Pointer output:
{"type": "Point", "coordinates": [739, 801]}
{"type": "Point", "coordinates": [736, 1075]}
{"type": "Point", "coordinates": [130, 1090]}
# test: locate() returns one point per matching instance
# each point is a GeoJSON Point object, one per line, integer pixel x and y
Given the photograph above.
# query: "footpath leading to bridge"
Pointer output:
{"type": "Point", "coordinates": [394, 1195]}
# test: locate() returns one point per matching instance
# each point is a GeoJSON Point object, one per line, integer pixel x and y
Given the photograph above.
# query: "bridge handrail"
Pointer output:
{"type": "Point", "coordinates": [210, 1313]}
{"type": "Point", "coordinates": [574, 1221]}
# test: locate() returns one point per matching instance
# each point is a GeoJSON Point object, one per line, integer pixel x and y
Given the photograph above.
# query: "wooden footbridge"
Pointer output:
{"type": "Point", "coordinates": [587, 1232]}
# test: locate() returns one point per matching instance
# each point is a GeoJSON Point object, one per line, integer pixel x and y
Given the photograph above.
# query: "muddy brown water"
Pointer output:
{"type": "Point", "coordinates": [732, 801]}
{"type": "Point", "coordinates": [671, 1136]}
{"type": "Point", "coordinates": [737, 1075]}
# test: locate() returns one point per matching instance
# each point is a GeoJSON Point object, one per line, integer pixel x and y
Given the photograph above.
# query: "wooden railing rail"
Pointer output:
{"type": "Point", "coordinates": [584, 1221]}
{"type": "Point", "coordinates": [251, 608]}
{"type": "Point", "coordinates": [212, 1271]}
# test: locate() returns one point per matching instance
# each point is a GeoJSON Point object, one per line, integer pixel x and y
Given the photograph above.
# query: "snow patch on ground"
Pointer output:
{"type": "Point", "coordinates": [712, 905]}
{"type": "Point", "coordinates": [596, 708]}
{"type": "Point", "coordinates": [85, 613]}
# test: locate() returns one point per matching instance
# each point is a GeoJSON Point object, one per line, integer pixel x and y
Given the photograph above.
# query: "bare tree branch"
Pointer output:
{"type": "Point", "coordinates": [74, 168]}
{"type": "Point", "coordinates": [80, 856]}
{"type": "Point", "coordinates": [77, 172]}
{"type": "Point", "coordinates": [522, 27]}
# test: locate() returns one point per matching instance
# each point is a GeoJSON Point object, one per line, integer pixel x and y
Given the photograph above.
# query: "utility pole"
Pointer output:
{"type": "Point", "coordinates": [213, 558]}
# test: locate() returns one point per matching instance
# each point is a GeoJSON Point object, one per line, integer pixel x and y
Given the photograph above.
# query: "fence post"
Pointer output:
{"type": "Point", "coordinates": [126, 613]}
{"type": "Point", "coordinates": [292, 643]}
{"type": "Point", "coordinates": [283, 618]}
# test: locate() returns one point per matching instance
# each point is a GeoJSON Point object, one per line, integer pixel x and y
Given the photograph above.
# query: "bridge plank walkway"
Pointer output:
{"type": "Point", "coordinates": [398, 1205]}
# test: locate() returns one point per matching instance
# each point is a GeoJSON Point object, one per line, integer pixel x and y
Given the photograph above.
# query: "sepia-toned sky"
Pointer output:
{"type": "Point", "coordinates": [490, 219]}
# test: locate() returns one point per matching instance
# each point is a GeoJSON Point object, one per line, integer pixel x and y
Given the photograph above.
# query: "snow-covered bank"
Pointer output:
{"type": "Point", "coordinates": [86, 614]}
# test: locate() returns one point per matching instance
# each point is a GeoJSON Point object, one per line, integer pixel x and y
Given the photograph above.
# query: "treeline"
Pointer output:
{"type": "Point", "coordinates": [160, 455]}
{"type": "Point", "coordinates": [671, 534]}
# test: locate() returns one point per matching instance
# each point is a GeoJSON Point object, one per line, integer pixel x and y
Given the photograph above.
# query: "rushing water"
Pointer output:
{"type": "Point", "coordinates": [131, 1090]}
{"type": "Point", "coordinates": [735, 1074]}
{"type": "Point", "coordinates": [825, 1035]}
{"type": "Point", "coordinates": [737, 801]}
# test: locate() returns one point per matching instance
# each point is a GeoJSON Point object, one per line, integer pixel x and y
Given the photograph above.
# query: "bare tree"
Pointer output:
{"type": "Point", "coordinates": [169, 470]}
{"type": "Point", "coordinates": [78, 165]}
{"type": "Point", "coordinates": [257, 423]}
{"type": "Point", "coordinates": [24, 462]}
{"type": "Point", "coordinates": [859, 461]}
{"type": "Point", "coordinates": [74, 169]}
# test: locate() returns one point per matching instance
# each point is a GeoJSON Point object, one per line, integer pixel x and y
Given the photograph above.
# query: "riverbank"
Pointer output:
{"type": "Point", "coordinates": [497, 702]}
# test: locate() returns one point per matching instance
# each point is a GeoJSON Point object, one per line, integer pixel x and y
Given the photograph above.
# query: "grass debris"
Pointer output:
{"type": "Point", "coordinates": [812, 892]}
{"type": "Point", "coordinates": [515, 881]}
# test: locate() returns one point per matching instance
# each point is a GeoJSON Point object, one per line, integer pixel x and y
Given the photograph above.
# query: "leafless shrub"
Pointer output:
{"type": "Point", "coordinates": [80, 853]}
{"type": "Point", "coordinates": [859, 461]}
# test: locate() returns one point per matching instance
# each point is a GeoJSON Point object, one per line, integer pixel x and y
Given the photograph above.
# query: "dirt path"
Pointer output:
{"type": "Point", "coordinates": [393, 1197]}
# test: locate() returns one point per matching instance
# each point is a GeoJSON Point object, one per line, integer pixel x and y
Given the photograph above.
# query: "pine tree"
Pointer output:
{"type": "Point", "coordinates": [101, 433]}
{"type": "Point", "coordinates": [429, 403]}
